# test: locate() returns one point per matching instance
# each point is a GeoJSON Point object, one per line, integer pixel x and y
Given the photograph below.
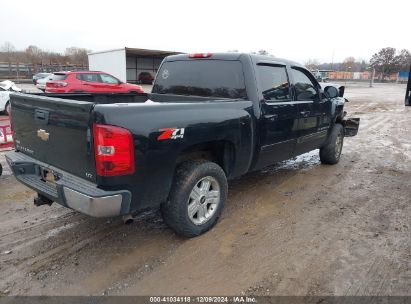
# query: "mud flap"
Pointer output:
{"type": "Point", "coordinates": [351, 126]}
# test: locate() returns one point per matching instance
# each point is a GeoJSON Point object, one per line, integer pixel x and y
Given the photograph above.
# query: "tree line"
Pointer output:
{"type": "Point", "coordinates": [386, 61]}
{"type": "Point", "coordinates": [36, 56]}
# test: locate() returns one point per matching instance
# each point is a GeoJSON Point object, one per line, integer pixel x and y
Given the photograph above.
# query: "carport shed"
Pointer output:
{"type": "Point", "coordinates": [129, 64]}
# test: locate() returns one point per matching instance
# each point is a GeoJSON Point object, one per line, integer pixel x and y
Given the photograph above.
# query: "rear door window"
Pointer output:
{"type": "Point", "coordinates": [89, 77]}
{"type": "Point", "coordinates": [274, 83]}
{"type": "Point", "coordinates": [206, 78]}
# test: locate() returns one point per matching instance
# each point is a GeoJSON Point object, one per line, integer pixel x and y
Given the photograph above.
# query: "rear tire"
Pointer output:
{"type": "Point", "coordinates": [196, 199]}
{"type": "Point", "coordinates": [330, 153]}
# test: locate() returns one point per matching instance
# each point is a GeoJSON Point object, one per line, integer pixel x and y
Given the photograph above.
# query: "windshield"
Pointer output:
{"type": "Point", "coordinates": [206, 78]}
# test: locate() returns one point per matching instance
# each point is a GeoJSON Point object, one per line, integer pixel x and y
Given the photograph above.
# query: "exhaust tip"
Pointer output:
{"type": "Point", "coordinates": [128, 219]}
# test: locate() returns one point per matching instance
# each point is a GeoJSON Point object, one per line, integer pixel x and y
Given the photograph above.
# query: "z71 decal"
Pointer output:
{"type": "Point", "coordinates": [171, 133]}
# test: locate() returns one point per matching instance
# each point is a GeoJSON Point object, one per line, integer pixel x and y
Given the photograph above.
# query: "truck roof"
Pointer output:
{"type": "Point", "coordinates": [235, 56]}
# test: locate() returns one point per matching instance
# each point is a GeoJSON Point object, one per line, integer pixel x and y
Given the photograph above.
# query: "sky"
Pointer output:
{"type": "Point", "coordinates": [326, 30]}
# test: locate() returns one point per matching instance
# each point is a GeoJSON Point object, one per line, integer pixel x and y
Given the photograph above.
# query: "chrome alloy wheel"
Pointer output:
{"type": "Point", "coordinates": [203, 200]}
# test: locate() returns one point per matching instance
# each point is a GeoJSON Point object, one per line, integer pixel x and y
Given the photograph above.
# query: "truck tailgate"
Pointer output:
{"type": "Point", "coordinates": [54, 131]}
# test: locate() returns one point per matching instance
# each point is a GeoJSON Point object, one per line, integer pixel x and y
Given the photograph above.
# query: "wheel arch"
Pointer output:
{"type": "Point", "coordinates": [222, 152]}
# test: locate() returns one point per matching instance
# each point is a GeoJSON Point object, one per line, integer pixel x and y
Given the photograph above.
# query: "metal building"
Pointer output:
{"type": "Point", "coordinates": [129, 64]}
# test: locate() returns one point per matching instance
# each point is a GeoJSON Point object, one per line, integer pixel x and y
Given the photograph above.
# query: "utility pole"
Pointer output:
{"type": "Point", "coordinates": [372, 77]}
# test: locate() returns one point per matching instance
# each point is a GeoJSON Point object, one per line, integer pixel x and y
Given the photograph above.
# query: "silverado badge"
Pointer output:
{"type": "Point", "coordinates": [43, 134]}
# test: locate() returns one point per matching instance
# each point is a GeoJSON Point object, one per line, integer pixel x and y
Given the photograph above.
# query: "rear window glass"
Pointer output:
{"type": "Point", "coordinates": [206, 78]}
{"type": "Point", "coordinates": [58, 77]}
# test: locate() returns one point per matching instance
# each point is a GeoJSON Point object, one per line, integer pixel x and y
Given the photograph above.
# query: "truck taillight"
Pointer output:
{"type": "Point", "coordinates": [200, 55]}
{"type": "Point", "coordinates": [113, 150]}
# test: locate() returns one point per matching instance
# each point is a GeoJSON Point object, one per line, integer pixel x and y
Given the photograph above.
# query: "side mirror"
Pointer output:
{"type": "Point", "coordinates": [331, 92]}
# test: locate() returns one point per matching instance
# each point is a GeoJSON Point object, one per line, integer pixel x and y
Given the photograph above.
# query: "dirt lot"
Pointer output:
{"type": "Point", "coordinates": [297, 228]}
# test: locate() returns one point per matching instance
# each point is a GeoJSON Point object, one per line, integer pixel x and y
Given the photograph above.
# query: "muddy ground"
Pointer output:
{"type": "Point", "coordinates": [297, 228]}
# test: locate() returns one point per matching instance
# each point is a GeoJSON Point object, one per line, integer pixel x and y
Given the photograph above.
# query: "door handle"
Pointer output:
{"type": "Point", "coordinates": [86, 84]}
{"type": "Point", "coordinates": [271, 116]}
{"type": "Point", "coordinates": [305, 113]}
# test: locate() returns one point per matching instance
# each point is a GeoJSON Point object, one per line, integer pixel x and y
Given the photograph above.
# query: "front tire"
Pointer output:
{"type": "Point", "coordinates": [197, 198]}
{"type": "Point", "coordinates": [330, 153]}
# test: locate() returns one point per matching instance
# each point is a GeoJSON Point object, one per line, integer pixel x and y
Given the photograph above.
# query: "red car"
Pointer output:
{"type": "Point", "coordinates": [89, 82]}
{"type": "Point", "coordinates": [145, 78]}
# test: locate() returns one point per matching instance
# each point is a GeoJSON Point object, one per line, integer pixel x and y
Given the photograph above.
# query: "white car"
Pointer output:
{"type": "Point", "coordinates": [41, 83]}
{"type": "Point", "coordinates": [6, 87]}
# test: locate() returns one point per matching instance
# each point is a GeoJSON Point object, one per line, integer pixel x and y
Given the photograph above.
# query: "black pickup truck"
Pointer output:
{"type": "Point", "coordinates": [209, 118]}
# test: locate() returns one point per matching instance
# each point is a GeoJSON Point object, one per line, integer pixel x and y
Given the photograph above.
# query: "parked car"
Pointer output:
{"type": "Point", "coordinates": [209, 118]}
{"type": "Point", "coordinates": [145, 78]}
{"type": "Point", "coordinates": [41, 83]}
{"type": "Point", "coordinates": [39, 76]}
{"type": "Point", "coordinates": [6, 87]}
{"type": "Point", "coordinates": [88, 82]}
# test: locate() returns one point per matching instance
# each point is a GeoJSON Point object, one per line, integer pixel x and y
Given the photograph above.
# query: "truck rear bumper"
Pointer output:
{"type": "Point", "coordinates": [68, 190]}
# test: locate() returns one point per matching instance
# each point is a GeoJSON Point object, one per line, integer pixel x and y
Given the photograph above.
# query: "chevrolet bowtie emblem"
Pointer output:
{"type": "Point", "coordinates": [43, 134]}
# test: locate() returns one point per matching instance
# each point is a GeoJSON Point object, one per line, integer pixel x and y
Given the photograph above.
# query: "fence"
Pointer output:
{"type": "Point", "coordinates": [23, 70]}
{"type": "Point", "coordinates": [359, 76]}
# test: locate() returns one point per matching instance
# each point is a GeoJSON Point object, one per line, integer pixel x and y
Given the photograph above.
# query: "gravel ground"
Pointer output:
{"type": "Point", "coordinates": [296, 228]}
